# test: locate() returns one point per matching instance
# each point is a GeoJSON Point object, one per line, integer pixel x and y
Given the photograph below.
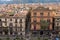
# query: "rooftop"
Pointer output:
{"type": "Point", "coordinates": [13, 11]}
{"type": "Point", "coordinates": [27, 1]}
{"type": "Point", "coordinates": [43, 9]}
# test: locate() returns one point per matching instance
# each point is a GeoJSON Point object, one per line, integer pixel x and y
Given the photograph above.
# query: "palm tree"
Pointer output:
{"type": "Point", "coordinates": [44, 24]}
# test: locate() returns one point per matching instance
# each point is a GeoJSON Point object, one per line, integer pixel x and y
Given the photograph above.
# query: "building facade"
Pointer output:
{"type": "Point", "coordinates": [41, 20]}
{"type": "Point", "coordinates": [57, 22]}
{"type": "Point", "coordinates": [13, 22]}
{"type": "Point", "coordinates": [12, 25]}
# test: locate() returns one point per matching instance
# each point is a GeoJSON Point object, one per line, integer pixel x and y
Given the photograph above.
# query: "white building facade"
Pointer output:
{"type": "Point", "coordinates": [12, 25]}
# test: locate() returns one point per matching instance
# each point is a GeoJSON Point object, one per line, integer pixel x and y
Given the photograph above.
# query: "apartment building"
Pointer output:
{"type": "Point", "coordinates": [57, 22]}
{"type": "Point", "coordinates": [41, 19]}
{"type": "Point", "coordinates": [12, 25]}
{"type": "Point", "coordinates": [13, 22]}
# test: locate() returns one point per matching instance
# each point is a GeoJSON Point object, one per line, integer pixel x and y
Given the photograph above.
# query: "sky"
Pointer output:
{"type": "Point", "coordinates": [6, 0]}
{"type": "Point", "coordinates": [29, 1]}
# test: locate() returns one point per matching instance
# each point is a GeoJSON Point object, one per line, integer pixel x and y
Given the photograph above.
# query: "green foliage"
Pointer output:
{"type": "Point", "coordinates": [38, 38]}
{"type": "Point", "coordinates": [11, 13]}
{"type": "Point", "coordinates": [17, 38]}
{"type": "Point", "coordinates": [46, 39]}
{"type": "Point", "coordinates": [0, 39]}
{"type": "Point", "coordinates": [44, 24]}
{"type": "Point", "coordinates": [7, 38]}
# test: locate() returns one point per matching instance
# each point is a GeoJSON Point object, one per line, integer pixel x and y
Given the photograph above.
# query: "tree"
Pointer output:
{"type": "Point", "coordinates": [17, 38]}
{"type": "Point", "coordinates": [7, 38]}
{"type": "Point", "coordinates": [11, 13]}
{"type": "Point", "coordinates": [44, 24]}
{"type": "Point", "coordinates": [38, 38]}
{"type": "Point", "coordinates": [46, 39]}
{"type": "Point", "coordinates": [0, 39]}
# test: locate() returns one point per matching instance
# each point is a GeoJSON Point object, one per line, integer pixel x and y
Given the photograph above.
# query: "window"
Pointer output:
{"type": "Point", "coordinates": [41, 32]}
{"type": "Point", "coordinates": [58, 18]}
{"type": "Point", "coordinates": [56, 13]}
{"type": "Point", "coordinates": [34, 34]}
{"type": "Point", "coordinates": [10, 19]}
{"type": "Point", "coordinates": [57, 28]}
{"type": "Point", "coordinates": [21, 34]}
{"type": "Point", "coordinates": [48, 20]}
{"type": "Point", "coordinates": [41, 19]}
{"type": "Point", "coordinates": [0, 19]}
{"type": "Point", "coordinates": [15, 20]}
{"type": "Point", "coordinates": [47, 33]}
{"type": "Point", "coordinates": [27, 36]}
{"type": "Point", "coordinates": [11, 30]}
{"type": "Point", "coordinates": [5, 30]}
{"type": "Point", "coordinates": [1, 24]}
{"type": "Point", "coordinates": [20, 20]}
{"type": "Point", "coordinates": [57, 24]}
{"type": "Point", "coordinates": [1, 30]}
{"type": "Point", "coordinates": [3, 19]}
{"type": "Point", "coordinates": [20, 29]}
{"type": "Point", "coordinates": [41, 14]}
{"type": "Point", "coordinates": [10, 24]}
{"type": "Point", "coordinates": [34, 21]}
{"type": "Point", "coordinates": [48, 14]}
{"type": "Point", "coordinates": [20, 25]}
{"type": "Point", "coordinates": [34, 27]}
{"type": "Point", "coordinates": [21, 38]}
{"type": "Point", "coordinates": [15, 30]}
{"type": "Point", "coordinates": [35, 14]}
